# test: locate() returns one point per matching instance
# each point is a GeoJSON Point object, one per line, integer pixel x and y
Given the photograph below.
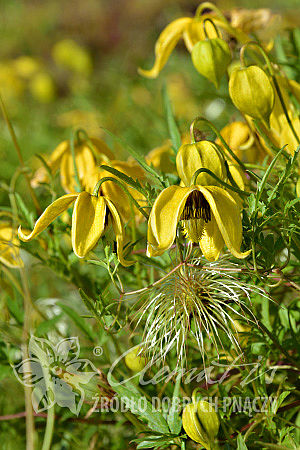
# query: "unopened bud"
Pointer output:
{"type": "Point", "coordinates": [201, 423]}
{"type": "Point", "coordinates": [251, 92]}
{"type": "Point", "coordinates": [211, 58]}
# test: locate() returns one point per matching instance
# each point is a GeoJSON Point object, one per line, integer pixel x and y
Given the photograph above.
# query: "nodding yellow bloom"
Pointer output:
{"type": "Point", "coordinates": [280, 132]}
{"type": "Point", "coordinates": [113, 191]}
{"type": "Point", "coordinates": [209, 214]}
{"type": "Point", "coordinates": [87, 157]}
{"type": "Point", "coordinates": [91, 216]}
{"type": "Point", "coordinates": [191, 30]}
{"type": "Point", "coordinates": [241, 140]}
{"type": "Point", "coordinates": [161, 157]}
{"type": "Point", "coordinates": [9, 247]}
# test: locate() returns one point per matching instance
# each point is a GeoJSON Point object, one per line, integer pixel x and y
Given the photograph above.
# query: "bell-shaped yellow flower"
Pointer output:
{"type": "Point", "coordinates": [241, 140]}
{"type": "Point", "coordinates": [90, 217]}
{"type": "Point", "coordinates": [211, 58]}
{"type": "Point", "coordinates": [86, 159]}
{"type": "Point", "coordinates": [209, 214]}
{"type": "Point", "coordinates": [114, 192]}
{"type": "Point", "coordinates": [203, 154]}
{"type": "Point", "coordinates": [9, 247]}
{"type": "Point", "coordinates": [252, 92]}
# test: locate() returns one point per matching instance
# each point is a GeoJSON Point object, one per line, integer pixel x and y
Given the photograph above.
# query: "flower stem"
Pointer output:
{"type": "Point", "coordinates": [49, 429]}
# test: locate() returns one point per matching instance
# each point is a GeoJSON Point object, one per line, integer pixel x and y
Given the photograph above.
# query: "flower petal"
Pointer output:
{"type": "Point", "coordinates": [203, 154]}
{"type": "Point", "coordinates": [164, 217]}
{"type": "Point", "coordinates": [101, 150]}
{"type": "Point", "coordinates": [116, 194]}
{"type": "Point", "coordinates": [50, 213]}
{"type": "Point", "coordinates": [88, 223]}
{"type": "Point", "coordinates": [41, 175]}
{"type": "Point", "coordinates": [165, 45]}
{"type": "Point", "coordinates": [211, 242]}
{"type": "Point", "coordinates": [119, 232]}
{"type": "Point", "coordinates": [227, 215]}
{"type": "Point", "coordinates": [85, 163]}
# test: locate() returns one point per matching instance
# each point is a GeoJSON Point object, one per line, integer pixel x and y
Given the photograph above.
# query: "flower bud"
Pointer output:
{"type": "Point", "coordinates": [251, 92]}
{"type": "Point", "coordinates": [200, 155]}
{"type": "Point", "coordinates": [211, 58]}
{"type": "Point", "coordinates": [201, 423]}
{"type": "Point", "coordinates": [134, 361]}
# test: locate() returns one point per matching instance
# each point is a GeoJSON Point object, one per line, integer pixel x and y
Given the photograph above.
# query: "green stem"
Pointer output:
{"type": "Point", "coordinates": [217, 132]}
{"type": "Point", "coordinates": [98, 185]}
{"type": "Point", "coordinates": [49, 429]}
{"type": "Point", "coordinates": [228, 186]}
{"type": "Point", "coordinates": [285, 109]}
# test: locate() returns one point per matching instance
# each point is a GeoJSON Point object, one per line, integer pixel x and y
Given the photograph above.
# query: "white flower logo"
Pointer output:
{"type": "Point", "coordinates": [55, 373]}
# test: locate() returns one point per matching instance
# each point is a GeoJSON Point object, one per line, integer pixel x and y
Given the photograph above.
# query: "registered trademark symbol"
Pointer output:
{"type": "Point", "coordinates": [98, 351]}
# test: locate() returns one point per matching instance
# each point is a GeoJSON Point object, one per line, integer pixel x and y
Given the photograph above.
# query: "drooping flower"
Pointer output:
{"type": "Point", "coordinates": [191, 30]}
{"type": "Point", "coordinates": [241, 140]}
{"type": "Point", "coordinates": [116, 194]}
{"type": "Point", "coordinates": [87, 156]}
{"type": "Point", "coordinates": [9, 247]}
{"type": "Point", "coordinates": [209, 214]}
{"type": "Point", "coordinates": [280, 132]}
{"type": "Point", "coordinates": [251, 92]}
{"type": "Point", "coordinates": [91, 215]}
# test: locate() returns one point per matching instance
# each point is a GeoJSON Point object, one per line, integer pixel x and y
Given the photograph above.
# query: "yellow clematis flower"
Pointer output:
{"type": "Point", "coordinates": [191, 30]}
{"type": "Point", "coordinates": [86, 158]}
{"type": "Point", "coordinates": [113, 191]}
{"type": "Point", "coordinates": [241, 140]}
{"type": "Point", "coordinates": [209, 214]}
{"type": "Point", "coordinates": [9, 247]}
{"type": "Point", "coordinates": [280, 132]}
{"type": "Point", "coordinates": [90, 218]}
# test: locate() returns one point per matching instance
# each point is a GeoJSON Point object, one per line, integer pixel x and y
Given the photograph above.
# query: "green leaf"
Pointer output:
{"type": "Point", "coordinates": [261, 185]}
{"type": "Point", "coordinates": [173, 129]}
{"type": "Point", "coordinates": [173, 419]}
{"type": "Point", "coordinates": [138, 405]}
{"type": "Point", "coordinates": [278, 402]}
{"type": "Point", "coordinates": [128, 180]}
{"type": "Point", "coordinates": [28, 215]}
